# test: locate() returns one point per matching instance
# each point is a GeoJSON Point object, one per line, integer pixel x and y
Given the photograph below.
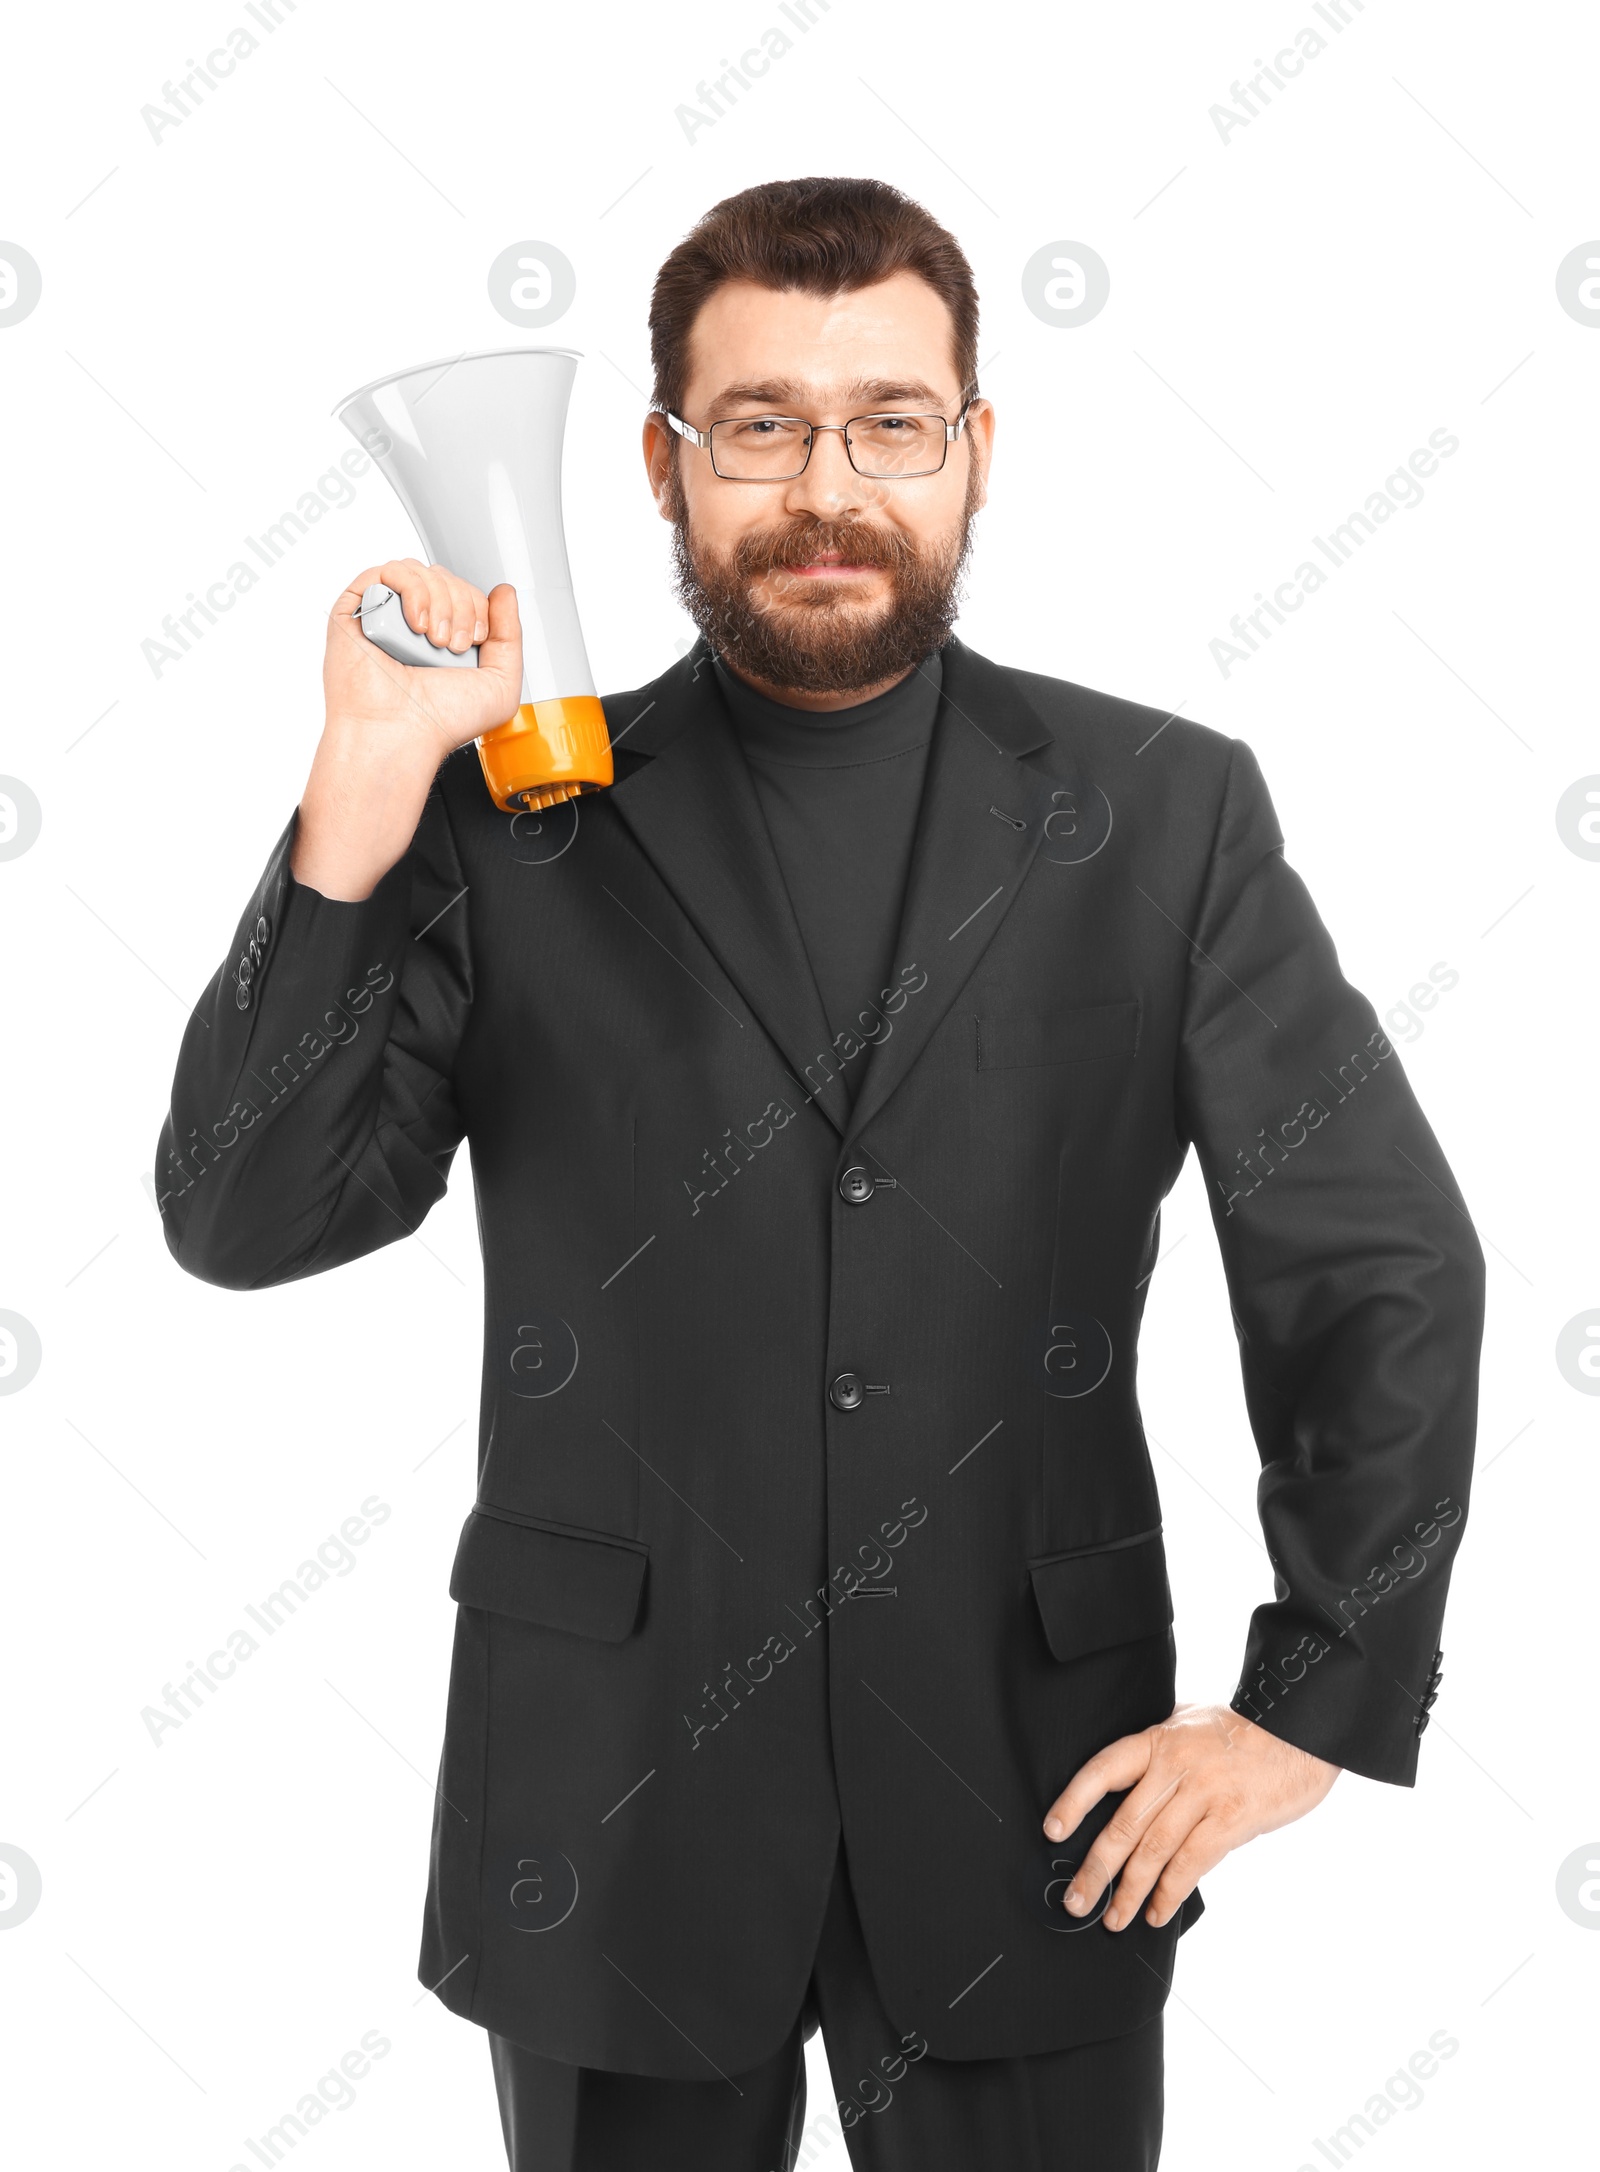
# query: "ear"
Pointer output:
{"type": "Point", "coordinates": [658, 447]}
{"type": "Point", "coordinates": [980, 434]}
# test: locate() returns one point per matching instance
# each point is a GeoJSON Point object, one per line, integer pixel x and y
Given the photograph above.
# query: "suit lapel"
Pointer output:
{"type": "Point", "coordinates": [694, 812]}
{"type": "Point", "coordinates": [979, 827]}
{"type": "Point", "coordinates": [689, 801]}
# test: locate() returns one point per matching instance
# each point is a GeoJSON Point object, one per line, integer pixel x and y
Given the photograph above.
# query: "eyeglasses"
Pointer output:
{"type": "Point", "coordinates": [776, 448]}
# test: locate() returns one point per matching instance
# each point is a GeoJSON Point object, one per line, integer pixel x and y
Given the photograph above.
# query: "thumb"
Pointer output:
{"type": "Point", "coordinates": [502, 651]}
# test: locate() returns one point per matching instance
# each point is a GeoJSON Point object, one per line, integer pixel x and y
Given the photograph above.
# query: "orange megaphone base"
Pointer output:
{"type": "Point", "coordinates": [549, 751]}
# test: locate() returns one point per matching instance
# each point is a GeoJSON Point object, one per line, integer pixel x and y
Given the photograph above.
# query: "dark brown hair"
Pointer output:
{"type": "Point", "coordinates": [824, 235]}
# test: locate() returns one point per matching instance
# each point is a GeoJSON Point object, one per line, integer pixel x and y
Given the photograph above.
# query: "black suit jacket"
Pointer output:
{"type": "Point", "coordinates": [712, 1607]}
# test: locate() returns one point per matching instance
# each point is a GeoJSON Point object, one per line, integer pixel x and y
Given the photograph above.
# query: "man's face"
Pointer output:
{"type": "Point", "coordinates": [833, 582]}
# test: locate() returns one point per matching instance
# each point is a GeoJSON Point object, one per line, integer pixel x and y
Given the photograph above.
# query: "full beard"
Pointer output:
{"type": "Point", "coordinates": [811, 635]}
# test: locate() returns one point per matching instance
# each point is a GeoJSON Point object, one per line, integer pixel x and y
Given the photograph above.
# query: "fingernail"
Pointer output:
{"type": "Point", "coordinates": [1111, 1920]}
{"type": "Point", "coordinates": [1054, 1829]}
{"type": "Point", "coordinates": [1075, 1902]}
{"type": "Point", "coordinates": [443, 629]}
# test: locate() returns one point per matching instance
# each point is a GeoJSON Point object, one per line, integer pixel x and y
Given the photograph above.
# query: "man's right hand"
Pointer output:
{"type": "Point", "coordinates": [389, 725]}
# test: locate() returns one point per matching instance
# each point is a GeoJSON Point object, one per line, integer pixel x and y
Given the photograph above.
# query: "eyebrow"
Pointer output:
{"type": "Point", "coordinates": [788, 389]}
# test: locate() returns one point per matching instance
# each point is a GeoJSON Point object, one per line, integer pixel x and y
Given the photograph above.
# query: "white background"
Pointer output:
{"type": "Point", "coordinates": [1291, 313]}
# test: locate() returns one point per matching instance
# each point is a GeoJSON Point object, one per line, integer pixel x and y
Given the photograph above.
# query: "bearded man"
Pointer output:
{"type": "Point", "coordinates": [824, 1079]}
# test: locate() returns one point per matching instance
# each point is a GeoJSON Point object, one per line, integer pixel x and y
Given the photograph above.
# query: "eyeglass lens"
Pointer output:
{"type": "Point", "coordinates": [773, 448]}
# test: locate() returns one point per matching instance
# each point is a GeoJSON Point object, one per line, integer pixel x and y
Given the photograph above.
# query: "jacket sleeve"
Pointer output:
{"type": "Point", "coordinates": [1357, 1290]}
{"type": "Point", "coordinates": [313, 1116]}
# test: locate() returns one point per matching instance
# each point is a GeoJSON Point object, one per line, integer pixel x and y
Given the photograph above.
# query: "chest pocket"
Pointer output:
{"type": "Point", "coordinates": [1015, 1039]}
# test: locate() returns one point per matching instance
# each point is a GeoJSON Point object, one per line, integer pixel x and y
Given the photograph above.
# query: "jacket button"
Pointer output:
{"type": "Point", "coordinates": [847, 1392]}
{"type": "Point", "coordinates": [856, 1186]}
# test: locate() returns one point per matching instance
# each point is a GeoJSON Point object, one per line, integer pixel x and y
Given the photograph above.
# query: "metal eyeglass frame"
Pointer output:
{"type": "Point", "coordinates": [702, 439]}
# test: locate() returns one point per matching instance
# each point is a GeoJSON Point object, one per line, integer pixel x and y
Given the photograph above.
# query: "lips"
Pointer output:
{"type": "Point", "coordinates": [818, 555]}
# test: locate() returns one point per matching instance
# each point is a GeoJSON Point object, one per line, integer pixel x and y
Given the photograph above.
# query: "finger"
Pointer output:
{"type": "Point", "coordinates": [347, 604]}
{"type": "Point", "coordinates": [408, 577]}
{"type": "Point", "coordinates": [1119, 1764]}
{"type": "Point", "coordinates": [440, 615]}
{"type": "Point", "coordinates": [1118, 1837]}
{"type": "Point", "coordinates": [458, 612]}
{"type": "Point", "coordinates": [1199, 1855]}
{"type": "Point", "coordinates": [1163, 1836]}
{"type": "Point", "coordinates": [468, 614]}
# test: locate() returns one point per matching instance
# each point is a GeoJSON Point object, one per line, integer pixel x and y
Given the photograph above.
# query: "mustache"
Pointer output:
{"type": "Point", "coordinates": [863, 544]}
{"type": "Point", "coordinates": [803, 632]}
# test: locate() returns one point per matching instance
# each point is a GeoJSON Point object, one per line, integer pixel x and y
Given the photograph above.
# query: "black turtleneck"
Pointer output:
{"type": "Point", "coordinates": [840, 789]}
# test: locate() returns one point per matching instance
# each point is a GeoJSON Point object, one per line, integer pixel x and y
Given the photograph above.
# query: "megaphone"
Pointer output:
{"type": "Point", "coordinates": [472, 448]}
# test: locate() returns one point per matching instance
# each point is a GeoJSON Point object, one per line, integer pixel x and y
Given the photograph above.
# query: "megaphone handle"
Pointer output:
{"type": "Point", "coordinates": [383, 620]}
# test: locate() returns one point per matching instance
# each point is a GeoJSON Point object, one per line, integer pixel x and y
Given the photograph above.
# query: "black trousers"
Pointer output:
{"type": "Point", "coordinates": [1094, 2108]}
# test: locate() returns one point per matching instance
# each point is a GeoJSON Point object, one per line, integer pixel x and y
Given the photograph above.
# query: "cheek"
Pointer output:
{"type": "Point", "coordinates": [932, 520]}
{"type": "Point", "coordinates": [721, 514]}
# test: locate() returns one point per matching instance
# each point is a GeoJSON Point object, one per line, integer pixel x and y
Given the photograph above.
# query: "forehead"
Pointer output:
{"type": "Point", "coordinates": [822, 350]}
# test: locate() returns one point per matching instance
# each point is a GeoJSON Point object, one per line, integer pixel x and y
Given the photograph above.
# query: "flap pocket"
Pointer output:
{"type": "Point", "coordinates": [583, 1582]}
{"type": "Point", "coordinates": [1098, 1596]}
{"type": "Point", "coordinates": [1008, 1040]}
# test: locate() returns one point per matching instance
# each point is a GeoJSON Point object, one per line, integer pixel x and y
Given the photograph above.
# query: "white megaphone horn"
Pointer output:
{"type": "Point", "coordinates": [473, 450]}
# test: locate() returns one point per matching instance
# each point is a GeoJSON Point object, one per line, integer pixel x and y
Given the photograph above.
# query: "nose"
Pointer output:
{"type": "Point", "coordinates": [828, 487]}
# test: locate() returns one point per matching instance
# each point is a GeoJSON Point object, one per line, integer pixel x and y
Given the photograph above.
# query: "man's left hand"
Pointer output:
{"type": "Point", "coordinates": [1202, 1783]}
